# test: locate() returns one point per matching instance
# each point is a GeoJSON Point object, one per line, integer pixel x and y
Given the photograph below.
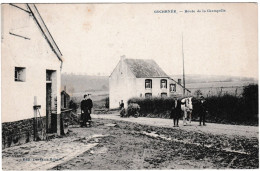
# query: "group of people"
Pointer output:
{"type": "Point", "coordinates": [86, 106]}
{"type": "Point", "coordinates": [184, 108]}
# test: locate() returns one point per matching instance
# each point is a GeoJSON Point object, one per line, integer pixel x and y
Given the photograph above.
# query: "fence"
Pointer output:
{"type": "Point", "coordinates": [217, 91]}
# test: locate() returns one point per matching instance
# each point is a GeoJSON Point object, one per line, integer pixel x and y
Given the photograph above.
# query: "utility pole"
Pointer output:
{"type": "Point", "coordinates": [183, 68]}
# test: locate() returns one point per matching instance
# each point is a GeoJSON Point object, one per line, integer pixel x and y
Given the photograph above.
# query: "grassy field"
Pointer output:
{"type": "Point", "coordinates": [219, 87]}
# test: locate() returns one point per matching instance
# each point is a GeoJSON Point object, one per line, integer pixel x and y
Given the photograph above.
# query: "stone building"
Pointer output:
{"type": "Point", "coordinates": [65, 100]}
{"type": "Point", "coordinates": [31, 74]}
{"type": "Point", "coordinates": [140, 78]}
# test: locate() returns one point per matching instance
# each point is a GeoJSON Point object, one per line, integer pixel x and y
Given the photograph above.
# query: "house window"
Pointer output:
{"type": "Point", "coordinates": [172, 87]}
{"type": "Point", "coordinates": [148, 95]}
{"type": "Point", "coordinates": [19, 74]}
{"type": "Point", "coordinates": [163, 83]}
{"type": "Point", "coordinates": [48, 75]}
{"type": "Point", "coordinates": [148, 83]}
{"type": "Point", "coordinates": [164, 95]}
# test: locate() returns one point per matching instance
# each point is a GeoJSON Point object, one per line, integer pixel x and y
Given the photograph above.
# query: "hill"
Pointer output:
{"type": "Point", "coordinates": [82, 83]}
{"type": "Point", "coordinates": [86, 83]}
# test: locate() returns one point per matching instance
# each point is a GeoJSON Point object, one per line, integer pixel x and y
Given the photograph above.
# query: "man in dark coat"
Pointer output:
{"type": "Point", "coordinates": [121, 105]}
{"type": "Point", "coordinates": [89, 105]}
{"type": "Point", "coordinates": [176, 112]}
{"type": "Point", "coordinates": [122, 108]}
{"type": "Point", "coordinates": [84, 111]}
{"type": "Point", "coordinates": [202, 110]}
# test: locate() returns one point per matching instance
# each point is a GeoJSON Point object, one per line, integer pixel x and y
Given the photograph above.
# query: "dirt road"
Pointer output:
{"type": "Point", "coordinates": [135, 146]}
{"type": "Point", "coordinates": [211, 128]}
{"type": "Point", "coordinates": [115, 144]}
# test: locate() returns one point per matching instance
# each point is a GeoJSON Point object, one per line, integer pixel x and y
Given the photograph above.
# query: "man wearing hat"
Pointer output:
{"type": "Point", "coordinates": [89, 105]}
{"type": "Point", "coordinates": [202, 110]}
{"type": "Point", "coordinates": [84, 110]}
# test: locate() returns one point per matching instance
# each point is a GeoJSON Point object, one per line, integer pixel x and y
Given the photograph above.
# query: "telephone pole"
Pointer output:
{"type": "Point", "coordinates": [183, 68]}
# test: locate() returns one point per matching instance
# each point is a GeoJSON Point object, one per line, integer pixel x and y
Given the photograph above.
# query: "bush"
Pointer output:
{"type": "Point", "coordinates": [225, 108]}
{"type": "Point", "coordinates": [73, 105]}
{"type": "Point", "coordinates": [154, 107]}
{"type": "Point", "coordinates": [233, 109]}
{"type": "Point", "coordinates": [221, 109]}
{"type": "Point", "coordinates": [250, 100]}
{"type": "Point", "coordinates": [133, 109]}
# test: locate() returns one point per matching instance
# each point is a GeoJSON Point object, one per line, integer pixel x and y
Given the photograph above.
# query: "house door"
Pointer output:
{"type": "Point", "coordinates": [48, 107]}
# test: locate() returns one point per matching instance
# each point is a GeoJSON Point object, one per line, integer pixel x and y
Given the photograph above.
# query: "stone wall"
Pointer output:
{"type": "Point", "coordinates": [22, 131]}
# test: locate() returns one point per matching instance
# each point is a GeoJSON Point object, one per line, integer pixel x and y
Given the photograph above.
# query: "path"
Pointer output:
{"type": "Point", "coordinates": [212, 128]}
{"type": "Point", "coordinates": [45, 155]}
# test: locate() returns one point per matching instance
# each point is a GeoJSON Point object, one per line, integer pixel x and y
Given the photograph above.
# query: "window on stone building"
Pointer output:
{"type": "Point", "coordinates": [19, 74]}
{"type": "Point", "coordinates": [172, 87]}
{"type": "Point", "coordinates": [148, 95]}
{"type": "Point", "coordinates": [148, 83]}
{"type": "Point", "coordinates": [163, 83]}
{"type": "Point", "coordinates": [163, 94]}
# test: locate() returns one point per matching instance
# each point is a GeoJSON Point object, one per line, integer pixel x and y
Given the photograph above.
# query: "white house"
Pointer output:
{"type": "Point", "coordinates": [31, 71]}
{"type": "Point", "coordinates": [140, 78]}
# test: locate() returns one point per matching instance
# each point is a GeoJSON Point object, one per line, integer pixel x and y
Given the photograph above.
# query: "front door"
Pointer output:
{"type": "Point", "coordinates": [48, 107]}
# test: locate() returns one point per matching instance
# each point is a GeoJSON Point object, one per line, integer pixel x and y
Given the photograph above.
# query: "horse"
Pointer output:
{"type": "Point", "coordinates": [186, 107]}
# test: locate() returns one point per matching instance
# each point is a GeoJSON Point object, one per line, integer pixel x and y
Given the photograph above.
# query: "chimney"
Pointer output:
{"type": "Point", "coordinates": [65, 88]}
{"type": "Point", "coordinates": [123, 57]}
{"type": "Point", "coordinates": [179, 81]}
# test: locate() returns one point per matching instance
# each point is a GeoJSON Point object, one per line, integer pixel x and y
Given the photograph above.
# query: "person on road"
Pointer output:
{"type": "Point", "coordinates": [176, 113]}
{"type": "Point", "coordinates": [202, 111]}
{"type": "Point", "coordinates": [121, 105]}
{"type": "Point", "coordinates": [122, 108]}
{"type": "Point", "coordinates": [84, 111]}
{"type": "Point", "coordinates": [89, 105]}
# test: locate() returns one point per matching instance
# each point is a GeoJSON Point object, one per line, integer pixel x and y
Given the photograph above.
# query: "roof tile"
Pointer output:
{"type": "Point", "coordinates": [142, 68]}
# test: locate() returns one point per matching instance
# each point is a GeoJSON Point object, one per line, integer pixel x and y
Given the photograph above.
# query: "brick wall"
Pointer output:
{"type": "Point", "coordinates": [20, 132]}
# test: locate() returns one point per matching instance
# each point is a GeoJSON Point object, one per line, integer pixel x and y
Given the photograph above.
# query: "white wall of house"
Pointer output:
{"type": "Point", "coordinates": [179, 89]}
{"type": "Point", "coordinates": [124, 85]}
{"type": "Point", "coordinates": [35, 55]}
{"type": "Point", "coordinates": [121, 85]}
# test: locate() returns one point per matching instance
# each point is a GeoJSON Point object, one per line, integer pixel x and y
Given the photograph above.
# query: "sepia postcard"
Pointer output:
{"type": "Point", "coordinates": [129, 86]}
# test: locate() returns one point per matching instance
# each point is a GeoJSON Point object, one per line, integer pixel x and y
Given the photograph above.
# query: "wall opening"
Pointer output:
{"type": "Point", "coordinates": [19, 74]}
{"type": "Point", "coordinates": [50, 98]}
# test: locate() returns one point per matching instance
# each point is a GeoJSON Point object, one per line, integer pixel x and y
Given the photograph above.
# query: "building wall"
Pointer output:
{"type": "Point", "coordinates": [121, 85]}
{"type": "Point", "coordinates": [36, 56]}
{"type": "Point", "coordinates": [20, 132]}
{"type": "Point", "coordinates": [179, 90]}
{"type": "Point", "coordinates": [65, 100]}
{"type": "Point", "coordinates": [156, 89]}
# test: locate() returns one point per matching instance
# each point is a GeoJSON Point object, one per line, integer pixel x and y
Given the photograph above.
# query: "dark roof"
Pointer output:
{"type": "Point", "coordinates": [143, 68]}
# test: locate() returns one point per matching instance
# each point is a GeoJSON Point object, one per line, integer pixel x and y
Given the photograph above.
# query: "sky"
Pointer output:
{"type": "Point", "coordinates": [92, 37]}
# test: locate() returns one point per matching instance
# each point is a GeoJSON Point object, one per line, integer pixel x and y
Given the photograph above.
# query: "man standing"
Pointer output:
{"type": "Point", "coordinates": [176, 113]}
{"type": "Point", "coordinates": [122, 108]}
{"type": "Point", "coordinates": [89, 105]}
{"type": "Point", "coordinates": [84, 111]}
{"type": "Point", "coordinates": [122, 105]}
{"type": "Point", "coordinates": [202, 111]}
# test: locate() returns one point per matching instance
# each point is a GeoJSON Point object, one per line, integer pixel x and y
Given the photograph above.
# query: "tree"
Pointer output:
{"type": "Point", "coordinates": [198, 93]}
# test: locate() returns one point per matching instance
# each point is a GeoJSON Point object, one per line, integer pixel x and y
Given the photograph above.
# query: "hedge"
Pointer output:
{"type": "Point", "coordinates": [221, 109]}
